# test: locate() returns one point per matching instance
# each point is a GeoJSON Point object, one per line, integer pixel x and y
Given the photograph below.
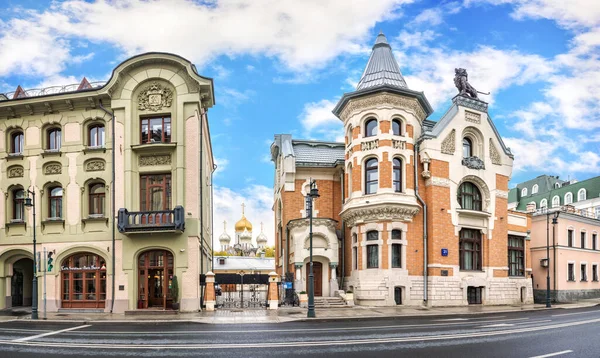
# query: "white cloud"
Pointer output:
{"type": "Point", "coordinates": [227, 207]}
{"type": "Point", "coordinates": [319, 122]}
{"type": "Point", "coordinates": [221, 72]}
{"type": "Point", "coordinates": [432, 17]}
{"type": "Point", "coordinates": [222, 164]}
{"type": "Point", "coordinates": [250, 68]}
{"type": "Point", "coordinates": [567, 13]}
{"type": "Point", "coordinates": [415, 39]}
{"type": "Point", "coordinates": [231, 97]}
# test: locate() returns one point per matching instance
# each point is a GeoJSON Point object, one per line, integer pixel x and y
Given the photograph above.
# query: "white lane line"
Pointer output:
{"type": "Point", "coordinates": [25, 339]}
{"type": "Point", "coordinates": [451, 319]}
{"type": "Point", "coordinates": [498, 325]}
{"type": "Point", "coordinates": [574, 313]}
{"type": "Point", "coordinates": [553, 354]}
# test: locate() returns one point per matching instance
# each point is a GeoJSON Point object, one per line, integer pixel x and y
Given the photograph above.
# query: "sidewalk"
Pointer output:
{"type": "Point", "coordinates": [289, 314]}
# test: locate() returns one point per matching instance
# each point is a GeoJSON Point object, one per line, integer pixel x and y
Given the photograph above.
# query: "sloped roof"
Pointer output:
{"type": "Point", "coordinates": [317, 153]}
{"type": "Point", "coordinates": [591, 186]}
{"type": "Point", "coordinates": [382, 68]}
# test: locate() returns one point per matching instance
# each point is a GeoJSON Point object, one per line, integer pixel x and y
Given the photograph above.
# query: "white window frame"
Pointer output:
{"type": "Point", "coordinates": [543, 203]}
{"type": "Point", "coordinates": [568, 198]}
{"type": "Point", "coordinates": [523, 192]}
{"type": "Point", "coordinates": [586, 269]}
{"type": "Point", "coordinates": [534, 190]}
{"type": "Point", "coordinates": [557, 200]}
{"type": "Point", "coordinates": [581, 191]}
{"type": "Point", "coordinates": [574, 274]}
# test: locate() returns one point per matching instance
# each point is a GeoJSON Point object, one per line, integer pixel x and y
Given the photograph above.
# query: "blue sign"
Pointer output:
{"type": "Point", "coordinates": [287, 285]}
{"type": "Point", "coordinates": [444, 252]}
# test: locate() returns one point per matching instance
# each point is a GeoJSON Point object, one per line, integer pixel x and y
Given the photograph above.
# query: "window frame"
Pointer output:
{"type": "Point", "coordinates": [583, 238]}
{"type": "Point", "coordinates": [374, 130]}
{"type": "Point", "coordinates": [568, 195]}
{"type": "Point", "coordinates": [56, 202]}
{"type": "Point", "coordinates": [594, 272]}
{"type": "Point", "coordinates": [516, 268]}
{"type": "Point", "coordinates": [467, 145]}
{"type": "Point", "coordinates": [557, 204]}
{"type": "Point", "coordinates": [16, 203]}
{"type": "Point", "coordinates": [476, 203]}
{"type": "Point", "coordinates": [594, 241]}
{"type": "Point", "coordinates": [545, 203]}
{"type": "Point", "coordinates": [534, 189]}
{"type": "Point", "coordinates": [397, 123]}
{"type": "Point", "coordinates": [476, 250]}
{"type": "Point", "coordinates": [149, 139]}
{"type": "Point", "coordinates": [146, 191]}
{"type": "Point", "coordinates": [571, 272]}
{"type": "Point", "coordinates": [397, 171]}
{"type": "Point", "coordinates": [570, 237]}
{"type": "Point", "coordinates": [397, 263]}
{"type": "Point", "coordinates": [96, 126]}
{"type": "Point", "coordinates": [369, 169]}
{"type": "Point", "coordinates": [21, 143]}
{"type": "Point", "coordinates": [96, 201]}
{"type": "Point", "coordinates": [53, 139]}
{"type": "Point", "coordinates": [583, 272]}
{"type": "Point", "coordinates": [581, 191]}
{"type": "Point", "coordinates": [523, 192]}
{"type": "Point", "coordinates": [372, 250]}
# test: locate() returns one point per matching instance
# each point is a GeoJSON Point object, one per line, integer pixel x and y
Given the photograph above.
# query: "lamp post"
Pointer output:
{"type": "Point", "coordinates": [313, 194]}
{"type": "Point", "coordinates": [30, 203]}
{"type": "Point", "coordinates": [554, 222]}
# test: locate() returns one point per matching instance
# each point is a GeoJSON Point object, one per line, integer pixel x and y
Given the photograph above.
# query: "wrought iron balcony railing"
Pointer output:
{"type": "Point", "coordinates": [148, 221]}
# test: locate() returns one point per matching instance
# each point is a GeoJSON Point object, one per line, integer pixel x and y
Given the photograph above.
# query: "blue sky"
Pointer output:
{"type": "Point", "coordinates": [280, 66]}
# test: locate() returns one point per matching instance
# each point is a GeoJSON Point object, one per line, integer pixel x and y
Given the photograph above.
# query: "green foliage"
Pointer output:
{"type": "Point", "coordinates": [220, 253]}
{"type": "Point", "coordinates": [270, 251]}
{"type": "Point", "coordinates": [175, 290]}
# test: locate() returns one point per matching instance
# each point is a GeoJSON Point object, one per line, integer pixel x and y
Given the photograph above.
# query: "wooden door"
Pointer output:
{"type": "Point", "coordinates": [156, 288]}
{"type": "Point", "coordinates": [318, 275]}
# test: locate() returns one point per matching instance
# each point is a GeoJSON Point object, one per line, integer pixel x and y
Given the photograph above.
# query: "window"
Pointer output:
{"type": "Point", "coordinates": [156, 130]}
{"type": "Point", "coordinates": [571, 272]}
{"type": "Point", "coordinates": [55, 203]}
{"type": "Point", "coordinates": [469, 196]}
{"type": "Point", "coordinates": [555, 202]}
{"type": "Point", "coordinates": [556, 185]}
{"type": "Point", "coordinates": [396, 234]}
{"type": "Point", "coordinates": [18, 213]}
{"type": "Point", "coordinates": [371, 128]}
{"type": "Point", "coordinates": [396, 127]}
{"type": "Point", "coordinates": [54, 135]}
{"type": "Point", "coordinates": [581, 195]}
{"type": "Point", "coordinates": [396, 255]}
{"type": "Point", "coordinates": [96, 198]}
{"type": "Point", "coordinates": [349, 135]}
{"type": "Point", "coordinates": [354, 258]}
{"type": "Point", "coordinates": [516, 257]}
{"type": "Point", "coordinates": [594, 241]}
{"type": "Point", "coordinates": [524, 192]}
{"type": "Point", "coordinates": [16, 143]}
{"type": "Point", "coordinates": [155, 192]}
{"type": "Point", "coordinates": [595, 273]}
{"type": "Point", "coordinates": [470, 249]}
{"type": "Point", "coordinates": [583, 239]}
{"type": "Point", "coordinates": [371, 176]}
{"type": "Point", "coordinates": [96, 135]}
{"type": "Point", "coordinates": [349, 181]}
{"type": "Point", "coordinates": [372, 250]}
{"type": "Point", "coordinates": [597, 212]}
{"type": "Point", "coordinates": [83, 281]}
{"type": "Point", "coordinates": [467, 148]}
{"type": "Point", "coordinates": [474, 295]}
{"type": "Point", "coordinates": [534, 190]}
{"type": "Point", "coordinates": [543, 204]}
{"type": "Point", "coordinates": [583, 272]}
{"type": "Point", "coordinates": [568, 198]}
{"type": "Point", "coordinates": [570, 238]}
{"type": "Point", "coordinates": [397, 179]}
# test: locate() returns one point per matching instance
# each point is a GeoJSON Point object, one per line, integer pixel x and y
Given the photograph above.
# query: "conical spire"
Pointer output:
{"type": "Point", "coordinates": [382, 68]}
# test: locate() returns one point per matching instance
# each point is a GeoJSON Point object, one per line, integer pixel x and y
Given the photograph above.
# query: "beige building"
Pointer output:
{"type": "Point", "coordinates": [122, 223]}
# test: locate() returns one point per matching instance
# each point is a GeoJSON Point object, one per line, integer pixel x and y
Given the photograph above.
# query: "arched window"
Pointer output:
{"type": "Point", "coordinates": [55, 203]}
{"type": "Point", "coordinates": [467, 148]}
{"type": "Point", "coordinates": [543, 203]}
{"type": "Point", "coordinates": [524, 192]}
{"type": "Point", "coordinates": [470, 249]}
{"type": "Point", "coordinates": [96, 135]}
{"type": "Point", "coordinates": [18, 213]}
{"type": "Point", "coordinates": [534, 190]}
{"type": "Point", "coordinates": [581, 195]}
{"type": "Point", "coordinates": [96, 199]}
{"type": "Point", "coordinates": [555, 201]}
{"type": "Point", "coordinates": [349, 180]}
{"type": "Point", "coordinates": [556, 185]}
{"type": "Point", "coordinates": [397, 179]}
{"type": "Point", "coordinates": [568, 198]}
{"type": "Point", "coordinates": [83, 281]}
{"type": "Point", "coordinates": [371, 128]}
{"type": "Point", "coordinates": [371, 180]}
{"type": "Point", "coordinates": [54, 135]}
{"type": "Point", "coordinates": [469, 196]}
{"type": "Point", "coordinates": [349, 135]}
{"type": "Point", "coordinates": [16, 143]}
{"type": "Point", "coordinates": [396, 127]}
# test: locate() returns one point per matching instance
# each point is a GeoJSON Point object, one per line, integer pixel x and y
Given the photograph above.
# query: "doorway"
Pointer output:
{"type": "Point", "coordinates": [318, 277]}
{"type": "Point", "coordinates": [398, 295]}
{"type": "Point", "coordinates": [21, 283]}
{"type": "Point", "coordinates": [155, 279]}
{"type": "Point", "coordinates": [17, 288]}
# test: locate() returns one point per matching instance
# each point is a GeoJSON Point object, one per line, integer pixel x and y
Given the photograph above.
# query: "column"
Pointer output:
{"type": "Point", "coordinates": [209, 294]}
{"type": "Point", "coordinates": [273, 291]}
{"type": "Point", "coordinates": [333, 283]}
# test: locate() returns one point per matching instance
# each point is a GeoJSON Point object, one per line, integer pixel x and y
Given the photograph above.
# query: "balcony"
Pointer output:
{"type": "Point", "coordinates": [139, 222]}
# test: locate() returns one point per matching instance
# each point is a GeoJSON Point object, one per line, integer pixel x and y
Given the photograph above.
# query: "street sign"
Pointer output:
{"type": "Point", "coordinates": [444, 252]}
{"type": "Point", "coordinates": [287, 285]}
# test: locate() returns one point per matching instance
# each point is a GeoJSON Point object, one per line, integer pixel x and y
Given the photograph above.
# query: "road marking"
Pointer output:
{"type": "Point", "coordinates": [498, 325]}
{"type": "Point", "coordinates": [571, 314]}
{"type": "Point", "coordinates": [553, 354]}
{"type": "Point", "coordinates": [25, 339]}
{"type": "Point", "coordinates": [451, 319]}
{"type": "Point", "coordinates": [262, 345]}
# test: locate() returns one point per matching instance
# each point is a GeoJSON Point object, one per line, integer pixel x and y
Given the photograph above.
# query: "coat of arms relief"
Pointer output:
{"type": "Point", "coordinates": [155, 97]}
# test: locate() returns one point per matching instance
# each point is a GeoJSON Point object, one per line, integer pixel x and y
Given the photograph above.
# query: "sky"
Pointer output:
{"type": "Point", "coordinates": [280, 66]}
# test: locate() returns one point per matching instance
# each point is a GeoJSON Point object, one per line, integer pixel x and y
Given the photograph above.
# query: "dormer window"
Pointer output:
{"type": "Point", "coordinates": [155, 130]}
{"type": "Point", "coordinates": [524, 192]}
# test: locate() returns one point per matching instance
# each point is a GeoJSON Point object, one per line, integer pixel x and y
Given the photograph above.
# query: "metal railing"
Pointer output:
{"type": "Point", "coordinates": [36, 92]}
{"type": "Point", "coordinates": [146, 221]}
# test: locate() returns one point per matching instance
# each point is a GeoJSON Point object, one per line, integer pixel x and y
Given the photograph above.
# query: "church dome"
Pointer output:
{"type": "Point", "coordinates": [243, 224]}
{"type": "Point", "coordinates": [224, 238]}
{"type": "Point", "coordinates": [246, 235]}
{"type": "Point", "coordinates": [261, 237]}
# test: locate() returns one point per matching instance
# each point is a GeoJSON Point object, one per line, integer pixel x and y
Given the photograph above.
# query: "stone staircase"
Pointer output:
{"type": "Point", "coordinates": [329, 302]}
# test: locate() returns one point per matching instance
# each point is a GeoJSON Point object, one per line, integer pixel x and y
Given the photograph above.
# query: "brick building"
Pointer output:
{"type": "Point", "coordinates": [411, 211]}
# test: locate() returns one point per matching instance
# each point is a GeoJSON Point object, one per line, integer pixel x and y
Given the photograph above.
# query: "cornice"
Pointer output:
{"type": "Point", "coordinates": [380, 212]}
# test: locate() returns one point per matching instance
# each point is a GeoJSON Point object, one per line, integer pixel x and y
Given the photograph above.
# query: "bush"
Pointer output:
{"type": "Point", "coordinates": [175, 290]}
{"type": "Point", "coordinates": [303, 292]}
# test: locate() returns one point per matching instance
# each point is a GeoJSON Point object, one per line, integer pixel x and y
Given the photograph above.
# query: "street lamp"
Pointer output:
{"type": "Point", "coordinates": [554, 222]}
{"type": "Point", "coordinates": [313, 194]}
{"type": "Point", "coordinates": [30, 203]}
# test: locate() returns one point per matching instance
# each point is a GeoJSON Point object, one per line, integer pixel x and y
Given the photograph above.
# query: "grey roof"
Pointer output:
{"type": "Point", "coordinates": [382, 68]}
{"type": "Point", "coordinates": [245, 263]}
{"type": "Point", "coordinates": [317, 153]}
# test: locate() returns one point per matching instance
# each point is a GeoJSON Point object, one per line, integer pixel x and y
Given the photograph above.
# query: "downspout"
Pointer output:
{"type": "Point", "coordinates": [212, 218]}
{"type": "Point", "coordinates": [416, 149]}
{"type": "Point", "coordinates": [112, 194]}
{"type": "Point", "coordinates": [343, 226]}
{"type": "Point", "coordinates": [202, 116]}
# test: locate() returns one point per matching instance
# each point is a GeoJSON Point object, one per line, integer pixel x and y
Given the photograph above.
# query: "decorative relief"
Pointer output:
{"type": "Point", "coordinates": [328, 223]}
{"type": "Point", "coordinates": [473, 117]}
{"type": "Point", "coordinates": [380, 100]}
{"type": "Point", "coordinates": [473, 163]}
{"type": "Point", "coordinates": [398, 144]}
{"type": "Point", "coordinates": [449, 143]}
{"type": "Point", "coordinates": [471, 103]}
{"type": "Point", "coordinates": [382, 213]}
{"type": "Point", "coordinates": [149, 160]}
{"type": "Point", "coordinates": [53, 168]}
{"type": "Point", "coordinates": [16, 172]}
{"type": "Point", "coordinates": [95, 165]}
{"type": "Point", "coordinates": [437, 181]}
{"type": "Point", "coordinates": [494, 154]}
{"type": "Point", "coordinates": [370, 145]}
{"type": "Point", "coordinates": [502, 194]}
{"type": "Point", "coordinates": [155, 97]}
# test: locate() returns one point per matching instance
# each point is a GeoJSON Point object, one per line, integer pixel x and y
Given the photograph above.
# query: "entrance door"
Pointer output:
{"type": "Point", "coordinates": [398, 295]}
{"type": "Point", "coordinates": [156, 280]}
{"type": "Point", "coordinates": [17, 288]}
{"type": "Point", "coordinates": [318, 275]}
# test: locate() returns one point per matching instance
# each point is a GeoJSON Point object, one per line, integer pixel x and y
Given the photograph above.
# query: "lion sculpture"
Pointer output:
{"type": "Point", "coordinates": [461, 81]}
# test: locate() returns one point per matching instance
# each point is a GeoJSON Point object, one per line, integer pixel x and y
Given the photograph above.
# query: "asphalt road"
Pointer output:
{"type": "Point", "coordinates": [546, 333]}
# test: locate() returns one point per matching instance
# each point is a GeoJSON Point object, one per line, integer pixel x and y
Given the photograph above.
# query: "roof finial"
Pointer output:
{"type": "Point", "coordinates": [261, 226]}
{"type": "Point", "coordinates": [380, 31]}
{"type": "Point", "coordinates": [224, 225]}
{"type": "Point", "coordinates": [243, 206]}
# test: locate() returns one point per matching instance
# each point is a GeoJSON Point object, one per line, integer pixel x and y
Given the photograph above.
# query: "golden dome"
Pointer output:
{"type": "Point", "coordinates": [243, 223]}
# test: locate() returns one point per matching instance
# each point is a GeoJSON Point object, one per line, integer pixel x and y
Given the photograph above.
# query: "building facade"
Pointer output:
{"type": "Point", "coordinates": [121, 174]}
{"type": "Point", "coordinates": [421, 206]}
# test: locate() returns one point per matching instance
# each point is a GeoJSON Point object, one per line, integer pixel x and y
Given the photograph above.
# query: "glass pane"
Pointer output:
{"type": "Point", "coordinates": [371, 128]}
{"type": "Point", "coordinates": [101, 136]}
{"type": "Point", "coordinates": [396, 127]}
{"type": "Point", "coordinates": [167, 130]}
{"type": "Point", "coordinates": [78, 290]}
{"type": "Point", "coordinates": [396, 235]}
{"type": "Point", "coordinates": [156, 130]}
{"type": "Point", "coordinates": [371, 188]}
{"type": "Point", "coordinates": [396, 255]}
{"type": "Point", "coordinates": [144, 132]}
{"type": "Point", "coordinates": [372, 235]}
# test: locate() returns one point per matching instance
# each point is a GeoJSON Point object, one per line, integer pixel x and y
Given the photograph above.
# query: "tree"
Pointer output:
{"type": "Point", "coordinates": [270, 251]}
{"type": "Point", "coordinates": [220, 253]}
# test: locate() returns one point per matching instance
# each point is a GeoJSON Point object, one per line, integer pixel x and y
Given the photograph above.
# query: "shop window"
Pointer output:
{"type": "Point", "coordinates": [469, 196]}
{"type": "Point", "coordinates": [83, 281]}
{"type": "Point", "coordinates": [470, 249]}
{"type": "Point", "coordinates": [155, 130]}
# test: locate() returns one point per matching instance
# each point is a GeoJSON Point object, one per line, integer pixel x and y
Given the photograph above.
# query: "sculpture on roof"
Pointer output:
{"type": "Point", "coordinates": [461, 81]}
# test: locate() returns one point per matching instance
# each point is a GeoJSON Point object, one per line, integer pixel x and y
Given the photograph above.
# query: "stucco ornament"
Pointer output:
{"type": "Point", "coordinates": [370, 145]}
{"type": "Point", "coordinates": [15, 172]}
{"type": "Point", "coordinates": [148, 160]}
{"type": "Point", "coordinates": [380, 100]}
{"type": "Point", "coordinates": [473, 163]}
{"type": "Point", "coordinates": [155, 97]}
{"type": "Point", "coordinates": [54, 168]}
{"type": "Point", "coordinates": [494, 154]}
{"type": "Point", "coordinates": [95, 165]}
{"type": "Point", "coordinates": [388, 212]}
{"type": "Point", "coordinates": [328, 223]}
{"type": "Point", "coordinates": [473, 117]}
{"type": "Point", "coordinates": [449, 143]}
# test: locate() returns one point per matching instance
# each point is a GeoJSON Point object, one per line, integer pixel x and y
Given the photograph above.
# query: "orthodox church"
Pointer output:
{"type": "Point", "coordinates": [242, 245]}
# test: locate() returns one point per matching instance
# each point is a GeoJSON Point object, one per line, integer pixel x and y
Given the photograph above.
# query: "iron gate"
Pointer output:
{"type": "Point", "coordinates": [241, 290]}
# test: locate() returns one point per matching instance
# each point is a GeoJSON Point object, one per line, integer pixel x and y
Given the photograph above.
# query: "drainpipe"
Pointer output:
{"type": "Point", "coordinates": [202, 116]}
{"type": "Point", "coordinates": [212, 218]}
{"type": "Point", "coordinates": [112, 194]}
{"type": "Point", "coordinates": [416, 150]}
{"type": "Point", "coordinates": [343, 226]}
